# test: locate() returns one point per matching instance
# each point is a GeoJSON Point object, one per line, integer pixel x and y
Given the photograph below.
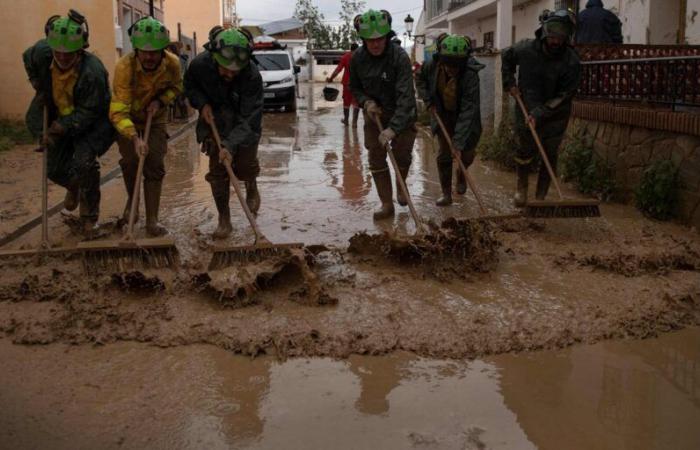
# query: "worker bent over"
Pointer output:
{"type": "Point", "coordinates": [73, 84]}
{"type": "Point", "coordinates": [382, 83]}
{"type": "Point", "coordinates": [228, 91]}
{"type": "Point", "coordinates": [548, 78]}
{"type": "Point", "coordinates": [449, 86]}
{"type": "Point", "coordinates": [146, 81]}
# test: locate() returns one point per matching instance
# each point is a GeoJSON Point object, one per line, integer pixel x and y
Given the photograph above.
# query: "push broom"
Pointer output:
{"type": "Point", "coordinates": [468, 177]}
{"type": "Point", "coordinates": [130, 253]}
{"type": "Point", "coordinates": [563, 208]}
{"type": "Point", "coordinates": [262, 248]}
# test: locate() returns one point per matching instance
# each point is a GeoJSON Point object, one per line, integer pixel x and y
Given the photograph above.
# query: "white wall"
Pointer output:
{"type": "Point", "coordinates": [692, 22]}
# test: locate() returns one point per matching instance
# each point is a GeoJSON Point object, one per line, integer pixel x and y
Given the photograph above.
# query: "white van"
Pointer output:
{"type": "Point", "coordinates": [279, 74]}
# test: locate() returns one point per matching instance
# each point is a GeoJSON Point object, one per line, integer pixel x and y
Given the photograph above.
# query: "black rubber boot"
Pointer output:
{"type": "Point", "coordinates": [346, 114]}
{"type": "Point", "coordinates": [520, 198]}
{"type": "Point", "coordinates": [461, 182]}
{"type": "Point", "coordinates": [382, 181]}
{"type": "Point", "coordinates": [70, 202]}
{"type": "Point", "coordinates": [445, 173]}
{"type": "Point", "coordinates": [252, 196]}
{"type": "Point", "coordinates": [221, 199]}
{"type": "Point", "coordinates": [151, 196]}
{"type": "Point", "coordinates": [543, 181]}
{"type": "Point", "coordinates": [399, 192]}
{"type": "Point", "coordinates": [355, 116]}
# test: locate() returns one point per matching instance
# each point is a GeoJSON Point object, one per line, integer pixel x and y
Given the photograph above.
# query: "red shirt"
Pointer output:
{"type": "Point", "coordinates": [344, 65]}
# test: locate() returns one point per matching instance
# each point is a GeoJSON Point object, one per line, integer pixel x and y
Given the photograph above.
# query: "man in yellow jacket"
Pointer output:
{"type": "Point", "coordinates": [145, 82]}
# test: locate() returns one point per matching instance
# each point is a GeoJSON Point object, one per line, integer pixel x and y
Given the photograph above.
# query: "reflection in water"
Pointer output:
{"type": "Point", "coordinates": [378, 375]}
{"type": "Point", "coordinates": [356, 182]}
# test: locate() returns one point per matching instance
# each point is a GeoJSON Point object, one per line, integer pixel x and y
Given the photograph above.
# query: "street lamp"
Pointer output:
{"type": "Point", "coordinates": [409, 25]}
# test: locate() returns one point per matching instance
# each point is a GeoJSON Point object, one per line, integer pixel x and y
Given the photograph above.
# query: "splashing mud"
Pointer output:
{"type": "Point", "coordinates": [452, 249]}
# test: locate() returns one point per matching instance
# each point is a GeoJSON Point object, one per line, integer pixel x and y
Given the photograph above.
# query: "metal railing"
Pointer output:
{"type": "Point", "coordinates": [668, 80]}
{"type": "Point", "coordinates": [434, 8]}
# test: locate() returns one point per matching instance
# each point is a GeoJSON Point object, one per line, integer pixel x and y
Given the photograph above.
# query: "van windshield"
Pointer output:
{"type": "Point", "coordinates": [272, 61]}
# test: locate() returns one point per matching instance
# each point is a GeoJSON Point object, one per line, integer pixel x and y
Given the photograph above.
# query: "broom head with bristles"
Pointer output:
{"type": "Point", "coordinates": [122, 256]}
{"type": "Point", "coordinates": [540, 209]}
{"type": "Point", "coordinates": [224, 257]}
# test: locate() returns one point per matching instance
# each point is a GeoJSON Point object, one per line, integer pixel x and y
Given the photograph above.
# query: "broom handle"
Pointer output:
{"type": "Point", "coordinates": [399, 178]}
{"type": "Point", "coordinates": [136, 192]}
{"type": "Point", "coordinates": [259, 236]}
{"type": "Point", "coordinates": [464, 170]}
{"type": "Point", "coordinates": [519, 99]}
{"type": "Point", "coordinates": [45, 184]}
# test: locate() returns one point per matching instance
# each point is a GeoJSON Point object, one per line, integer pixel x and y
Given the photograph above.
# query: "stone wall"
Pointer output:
{"type": "Point", "coordinates": [632, 149]}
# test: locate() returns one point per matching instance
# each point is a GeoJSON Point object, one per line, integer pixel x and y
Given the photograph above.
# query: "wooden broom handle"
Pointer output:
{"type": "Point", "coordinates": [45, 184]}
{"type": "Point", "coordinates": [399, 178]}
{"type": "Point", "coordinates": [259, 236]}
{"type": "Point", "coordinates": [457, 156]}
{"type": "Point", "coordinates": [136, 192]}
{"type": "Point", "coordinates": [519, 99]}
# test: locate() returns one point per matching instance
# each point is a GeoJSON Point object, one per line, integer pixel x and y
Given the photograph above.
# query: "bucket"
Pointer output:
{"type": "Point", "coordinates": [330, 94]}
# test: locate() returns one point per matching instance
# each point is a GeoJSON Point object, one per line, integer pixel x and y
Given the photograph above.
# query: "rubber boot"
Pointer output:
{"type": "Point", "coordinates": [346, 114]}
{"type": "Point", "coordinates": [543, 181]}
{"type": "Point", "coordinates": [382, 181]}
{"type": "Point", "coordinates": [252, 196]}
{"type": "Point", "coordinates": [399, 192]}
{"type": "Point", "coordinates": [129, 179]}
{"type": "Point", "coordinates": [70, 202]}
{"type": "Point", "coordinates": [461, 182]}
{"type": "Point", "coordinates": [221, 199]}
{"type": "Point", "coordinates": [520, 198]}
{"type": "Point", "coordinates": [151, 197]}
{"type": "Point", "coordinates": [355, 116]}
{"type": "Point", "coordinates": [445, 173]}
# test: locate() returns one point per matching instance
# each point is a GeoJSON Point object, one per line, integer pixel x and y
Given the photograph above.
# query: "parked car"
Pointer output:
{"type": "Point", "coordinates": [279, 74]}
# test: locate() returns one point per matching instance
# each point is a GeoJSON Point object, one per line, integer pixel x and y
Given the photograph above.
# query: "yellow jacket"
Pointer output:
{"type": "Point", "coordinates": [135, 89]}
{"type": "Point", "coordinates": [63, 84]}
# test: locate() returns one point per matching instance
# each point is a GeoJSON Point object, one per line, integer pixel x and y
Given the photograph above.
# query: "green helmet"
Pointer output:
{"type": "Point", "coordinates": [373, 24]}
{"type": "Point", "coordinates": [65, 35]}
{"type": "Point", "coordinates": [149, 34]}
{"type": "Point", "coordinates": [231, 49]}
{"type": "Point", "coordinates": [560, 23]}
{"type": "Point", "coordinates": [455, 46]}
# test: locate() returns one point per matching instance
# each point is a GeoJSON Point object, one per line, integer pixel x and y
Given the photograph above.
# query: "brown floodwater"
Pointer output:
{"type": "Point", "coordinates": [574, 329]}
{"type": "Point", "coordinates": [631, 395]}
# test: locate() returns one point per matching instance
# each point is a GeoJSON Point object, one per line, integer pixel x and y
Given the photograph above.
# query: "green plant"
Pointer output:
{"type": "Point", "coordinates": [658, 192]}
{"type": "Point", "coordinates": [13, 132]}
{"type": "Point", "coordinates": [499, 146]}
{"type": "Point", "coordinates": [590, 173]}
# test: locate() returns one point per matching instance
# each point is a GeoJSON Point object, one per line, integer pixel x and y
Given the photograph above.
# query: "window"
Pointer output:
{"type": "Point", "coordinates": [488, 39]}
{"type": "Point", "coordinates": [272, 61]}
{"type": "Point", "coordinates": [565, 4]}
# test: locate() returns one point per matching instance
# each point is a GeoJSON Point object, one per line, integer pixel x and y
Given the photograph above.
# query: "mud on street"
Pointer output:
{"type": "Point", "coordinates": [553, 286]}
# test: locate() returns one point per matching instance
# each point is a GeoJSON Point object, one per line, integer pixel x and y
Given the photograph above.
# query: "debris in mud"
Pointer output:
{"type": "Point", "coordinates": [632, 264]}
{"type": "Point", "coordinates": [236, 286]}
{"type": "Point", "coordinates": [137, 282]}
{"type": "Point", "coordinates": [41, 285]}
{"type": "Point", "coordinates": [453, 248]}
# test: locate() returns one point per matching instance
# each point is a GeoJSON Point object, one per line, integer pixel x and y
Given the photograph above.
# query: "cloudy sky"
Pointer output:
{"type": "Point", "coordinates": [254, 12]}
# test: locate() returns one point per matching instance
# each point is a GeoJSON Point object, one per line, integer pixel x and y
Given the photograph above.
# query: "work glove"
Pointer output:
{"type": "Point", "coordinates": [514, 91]}
{"type": "Point", "coordinates": [329, 80]}
{"type": "Point", "coordinates": [54, 133]}
{"type": "Point", "coordinates": [372, 108]}
{"type": "Point", "coordinates": [154, 106]}
{"type": "Point", "coordinates": [386, 136]}
{"type": "Point", "coordinates": [225, 156]}
{"type": "Point", "coordinates": [140, 146]}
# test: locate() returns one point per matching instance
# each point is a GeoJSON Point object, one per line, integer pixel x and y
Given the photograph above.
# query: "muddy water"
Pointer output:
{"type": "Point", "coordinates": [558, 284]}
{"type": "Point", "coordinates": [616, 395]}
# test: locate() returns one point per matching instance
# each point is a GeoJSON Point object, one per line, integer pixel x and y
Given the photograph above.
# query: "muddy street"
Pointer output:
{"type": "Point", "coordinates": [592, 321]}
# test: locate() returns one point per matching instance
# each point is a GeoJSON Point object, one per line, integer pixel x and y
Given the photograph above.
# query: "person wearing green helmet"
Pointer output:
{"type": "Point", "coordinates": [549, 71]}
{"type": "Point", "coordinates": [73, 85]}
{"type": "Point", "coordinates": [146, 81]}
{"type": "Point", "coordinates": [449, 86]}
{"type": "Point", "coordinates": [227, 89]}
{"type": "Point", "coordinates": [381, 80]}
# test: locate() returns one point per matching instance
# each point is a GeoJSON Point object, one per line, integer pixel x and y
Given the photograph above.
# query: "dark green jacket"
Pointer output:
{"type": "Point", "coordinates": [547, 83]}
{"type": "Point", "coordinates": [388, 80]}
{"type": "Point", "coordinates": [237, 106]}
{"type": "Point", "coordinates": [468, 127]}
{"type": "Point", "coordinates": [91, 97]}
